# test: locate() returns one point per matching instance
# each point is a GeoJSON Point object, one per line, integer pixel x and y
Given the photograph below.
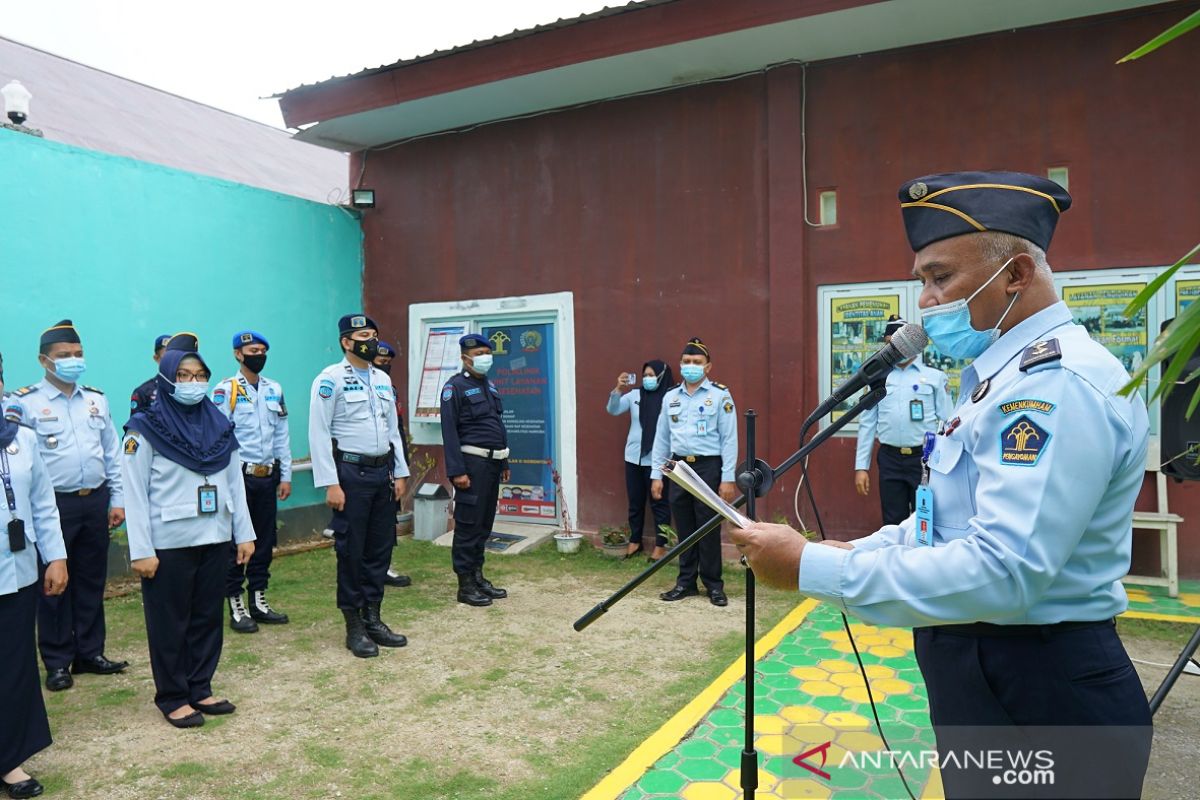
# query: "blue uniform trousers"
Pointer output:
{"type": "Point", "coordinates": [475, 513]}
{"type": "Point", "coordinates": [1069, 689]}
{"type": "Point", "coordinates": [705, 557]}
{"type": "Point", "coordinates": [71, 625]}
{"type": "Point", "coordinates": [899, 477]}
{"type": "Point", "coordinates": [260, 499]}
{"type": "Point", "coordinates": [25, 730]}
{"type": "Point", "coordinates": [364, 533]}
{"type": "Point", "coordinates": [184, 615]}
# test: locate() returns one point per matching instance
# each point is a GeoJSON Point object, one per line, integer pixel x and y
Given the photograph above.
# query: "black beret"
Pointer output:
{"type": "Point", "coordinates": [695, 347]}
{"type": "Point", "coordinates": [937, 207]}
{"type": "Point", "coordinates": [355, 322]}
{"type": "Point", "coordinates": [187, 342]}
{"type": "Point", "coordinates": [160, 341]}
{"type": "Point", "coordinates": [894, 324]}
{"type": "Point", "coordinates": [61, 331]}
{"type": "Point", "coordinates": [473, 340]}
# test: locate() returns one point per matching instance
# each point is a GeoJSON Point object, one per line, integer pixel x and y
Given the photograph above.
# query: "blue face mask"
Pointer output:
{"type": "Point", "coordinates": [692, 373]}
{"type": "Point", "coordinates": [69, 369]}
{"type": "Point", "coordinates": [190, 393]}
{"type": "Point", "coordinates": [482, 363]}
{"type": "Point", "coordinates": [949, 325]}
{"type": "Point", "coordinates": [650, 383]}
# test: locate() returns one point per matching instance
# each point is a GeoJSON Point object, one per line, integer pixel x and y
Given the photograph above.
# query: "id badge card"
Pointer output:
{"type": "Point", "coordinates": [916, 410]}
{"type": "Point", "coordinates": [16, 535]}
{"type": "Point", "coordinates": [702, 428]}
{"type": "Point", "coordinates": [206, 496]}
{"type": "Point", "coordinates": [924, 516]}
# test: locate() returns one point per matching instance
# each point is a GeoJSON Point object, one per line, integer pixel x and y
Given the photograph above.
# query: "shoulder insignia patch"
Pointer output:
{"type": "Point", "coordinates": [325, 389]}
{"type": "Point", "coordinates": [24, 390]}
{"type": "Point", "coordinates": [14, 411]}
{"type": "Point", "coordinates": [1043, 352]}
{"type": "Point", "coordinates": [219, 395]}
{"type": "Point", "coordinates": [1023, 442]}
{"type": "Point", "coordinates": [131, 444]}
{"type": "Point", "coordinates": [720, 386]}
{"type": "Point", "coordinates": [728, 406]}
{"type": "Point", "coordinates": [447, 393]}
{"type": "Point", "coordinates": [93, 389]}
{"type": "Point", "coordinates": [1029, 404]}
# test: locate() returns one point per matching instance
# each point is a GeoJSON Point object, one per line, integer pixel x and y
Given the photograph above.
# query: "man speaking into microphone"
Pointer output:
{"type": "Point", "coordinates": [1011, 580]}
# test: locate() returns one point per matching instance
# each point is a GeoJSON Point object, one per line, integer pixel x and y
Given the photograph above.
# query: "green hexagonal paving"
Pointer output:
{"type": "Point", "coordinates": [700, 769]}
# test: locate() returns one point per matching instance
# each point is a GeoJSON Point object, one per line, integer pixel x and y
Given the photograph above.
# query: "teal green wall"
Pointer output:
{"type": "Point", "coordinates": [129, 250]}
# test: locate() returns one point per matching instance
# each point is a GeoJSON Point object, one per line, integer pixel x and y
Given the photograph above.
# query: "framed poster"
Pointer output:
{"type": "Point", "coordinates": [440, 360]}
{"type": "Point", "coordinates": [1100, 308]}
{"type": "Point", "coordinates": [854, 330]}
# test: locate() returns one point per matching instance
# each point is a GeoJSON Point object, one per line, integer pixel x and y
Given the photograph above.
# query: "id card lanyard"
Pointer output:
{"type": "Point", "coordinates": [206, 498]}
{"type": "Point", "coordinates": [16, 526]}
{"type": "Point", "coordinates": [924, 499]}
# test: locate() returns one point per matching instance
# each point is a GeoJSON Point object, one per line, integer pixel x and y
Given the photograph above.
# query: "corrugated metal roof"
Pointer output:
{"type": "Point", "coordinates": [78, 105]}
{"type": "Point", "coordinates": [607, 11]}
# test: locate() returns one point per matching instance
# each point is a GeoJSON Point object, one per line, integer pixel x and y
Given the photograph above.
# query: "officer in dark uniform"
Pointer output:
{"type": "Point", "coordinates": [384, 362]}
{"type": "Point", "coordinates": [143, 395]}
{"type": "Point", "coordinates": [917, 400]}
{"type": "Point", "coordinates": [476, 446]}
{"type": "Point", "coordinates": [356, 454]}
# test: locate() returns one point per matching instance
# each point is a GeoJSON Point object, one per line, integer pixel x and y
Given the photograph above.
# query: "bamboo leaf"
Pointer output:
{"type": "Point", "coordinates": [1172, 343]}
{"type": "Point", "coordinates": [1192, 405]}
{"type": "Point", "coordinates": [1171, 33]}
{"type": "Point", "coordinates": [1143, 297]}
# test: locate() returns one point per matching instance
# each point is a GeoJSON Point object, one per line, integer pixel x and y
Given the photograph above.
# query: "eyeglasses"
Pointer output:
{"type": "Point", "coordinates": [183, 376]}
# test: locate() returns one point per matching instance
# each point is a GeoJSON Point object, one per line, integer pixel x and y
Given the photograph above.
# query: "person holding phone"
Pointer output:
{"type": "Point", "coordinates": [643, 405]}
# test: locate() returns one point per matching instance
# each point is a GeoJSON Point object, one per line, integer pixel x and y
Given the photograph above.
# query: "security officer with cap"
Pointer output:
{"type": "Point", "coordinates": [258, 411]}
{"type": "Point", "coordinates": [698, 425]}
{"type": "Point", "coordinates": [143, 395]}
{"type": "Point", "coordinates": [917, 400]}
{"type": "Point", "coordinates": [383, 360]}
{"type": "Point", "coordinates": [81, 448]}
{"type": "Point", "coordinates": [1011, 575]}
{"type": "Point", "coordinates": [355, 445]}
{"type": "Point", "coordinates": [476, 451]}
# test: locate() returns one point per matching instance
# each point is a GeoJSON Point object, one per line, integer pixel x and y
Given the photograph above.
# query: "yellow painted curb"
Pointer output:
{"type": "Point", "coordinates": [672, 732]}
{"type": "Point", "coordinates": [1160, 617]}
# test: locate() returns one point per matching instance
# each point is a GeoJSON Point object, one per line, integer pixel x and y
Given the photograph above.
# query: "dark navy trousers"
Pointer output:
{"type": "Point", "coordinates": [71, 625]}
{"type": "Point", "coordinates": [260, 497]}
{"type": "Point", "coordinates": [475, 513]}
{"type": "Point", "coordinates": [637, 487]}
{"type": "Point", "coordinates": [705, 557]}
{"type": "Point", "coordinates": [364, 533]}
{"type": "Point", "coordinates": [899, 477]}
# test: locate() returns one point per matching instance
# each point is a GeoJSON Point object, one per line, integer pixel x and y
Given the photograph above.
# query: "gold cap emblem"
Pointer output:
{"type": "Point", "coordinates": [918, 190]}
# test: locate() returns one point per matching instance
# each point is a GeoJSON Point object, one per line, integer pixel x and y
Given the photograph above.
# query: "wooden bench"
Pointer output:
{"type": "Point", "coordinates": [1165, 524]}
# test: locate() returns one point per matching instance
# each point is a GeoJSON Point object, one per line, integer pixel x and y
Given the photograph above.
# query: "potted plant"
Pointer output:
{"type": "Point", "coordinates": [614, 541]}
{"type": "Point", "coordinates": [567, 540]}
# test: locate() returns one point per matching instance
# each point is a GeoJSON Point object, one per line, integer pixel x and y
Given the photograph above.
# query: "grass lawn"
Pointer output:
{"type": "Point", "coordinates": [506, 702]}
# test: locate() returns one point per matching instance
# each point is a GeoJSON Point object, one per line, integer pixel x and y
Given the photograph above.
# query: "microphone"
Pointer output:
{"type": "Point", "coordinates": [906, 343]}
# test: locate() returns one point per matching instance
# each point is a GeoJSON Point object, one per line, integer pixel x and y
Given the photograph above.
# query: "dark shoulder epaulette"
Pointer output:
{"type": "Point", "coordinates": [93, 389]}
{"type": "Point", "coordinates": [24, 390]}
{"type": "Point", "coordinates": [720, 386]}
{"type": "Point", "coordinates": [1038, 353]}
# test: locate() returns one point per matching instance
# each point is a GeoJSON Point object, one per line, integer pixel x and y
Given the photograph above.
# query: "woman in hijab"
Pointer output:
{"type": "Point", "coordinates": [644, 405]}
{"type": "Point", "coordinates": [184, 500]}
{"type": "Point", "coordinates": [32, 530]}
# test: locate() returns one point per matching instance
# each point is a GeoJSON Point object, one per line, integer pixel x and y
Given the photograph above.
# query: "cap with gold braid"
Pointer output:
{"type": "Point", "coordinates": [61, 331]}
{"type": "Point", "coordinates": [937, 207]}
{"type": "Point", "coordinates": [695, 347]}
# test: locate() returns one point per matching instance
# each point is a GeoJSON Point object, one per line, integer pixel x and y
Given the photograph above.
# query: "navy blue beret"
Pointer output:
{"type": "Point", "coordinates": [387, 350]}
{"type": "Point", "coordinates": [61, 331]}
{"type": "Point", "coordinates": [474, 340]}
{"type": "Point", "coordinates": [937, 207]}
{"type": "Point", "coordinates": [355, 322]}
{"type": "Point", "coordinates": [243, 338]}
{"type": "Point", "coordinates": [161, 340]}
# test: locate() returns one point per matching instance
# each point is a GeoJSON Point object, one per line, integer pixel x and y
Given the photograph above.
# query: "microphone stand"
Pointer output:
{"type": "Point", "coordinates": [755, 479]}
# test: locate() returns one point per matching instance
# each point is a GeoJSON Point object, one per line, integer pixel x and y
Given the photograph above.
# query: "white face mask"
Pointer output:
{"type": "Point", "coordinates": [482, 363]}
{"type": "Point", "coordinates": [190, 393]}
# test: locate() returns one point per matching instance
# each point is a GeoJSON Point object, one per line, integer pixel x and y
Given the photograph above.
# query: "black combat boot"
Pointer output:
{"type": "Point", "coordinates": [357, 641]}
{"type": "Point", "coordinates": [380, 633]}
{"type": "Point", "coordinates": [469, 592]}
{"type": "Point", "coordinates": [486, 588]}
{"type": "Point", "coordinates": [261, 610]}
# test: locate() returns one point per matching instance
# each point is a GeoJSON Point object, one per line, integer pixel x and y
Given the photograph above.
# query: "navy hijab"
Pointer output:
{"type": "Point", "coordinates": [651, 404]}
{"type": "Point", "coordinates": [196, 437]}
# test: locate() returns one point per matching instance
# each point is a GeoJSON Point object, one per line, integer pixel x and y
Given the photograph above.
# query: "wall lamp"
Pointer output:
{"type": "Point", "coordinates": [362, 198]}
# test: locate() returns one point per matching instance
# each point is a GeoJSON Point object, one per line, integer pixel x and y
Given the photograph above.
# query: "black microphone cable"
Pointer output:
{"type": "Point", "coordinates": [812, 500]}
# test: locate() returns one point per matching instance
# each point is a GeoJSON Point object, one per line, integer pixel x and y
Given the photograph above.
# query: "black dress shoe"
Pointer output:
{"type": "Point", "coordinates": [678, 593]}
{"type": "Point", "coordinates": [396, 579]}
{"type": "Point", "coordinates": [98, 665]}
{"type": "Point", "coordinates": [718, 598]}
{"type": "Point", "coordinates": [215, 709]}
{"type": "Point", "coordinates": [192, 720]}
{"type": "Point", "coordinates": [26, 788]}
{"type": "Point", "coordinates": [59, 679]}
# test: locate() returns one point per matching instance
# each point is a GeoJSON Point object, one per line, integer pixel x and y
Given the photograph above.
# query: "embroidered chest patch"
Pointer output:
{"type": "Point", "coordinates": [1023, 442]}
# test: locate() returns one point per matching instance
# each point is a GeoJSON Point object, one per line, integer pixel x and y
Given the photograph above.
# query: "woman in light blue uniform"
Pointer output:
{"type": "Point", "coordinates": [184, 500]}
{"type": "Point", "coordinates": [643, 406]}
{"type": "Point", "coordinates": [31, 522]}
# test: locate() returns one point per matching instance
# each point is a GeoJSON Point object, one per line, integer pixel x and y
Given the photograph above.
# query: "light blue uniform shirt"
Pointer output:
{"type": "Point", "coordinates": [700, 424]}
{"type": "Point", "coordinates": [892, 420]}
{"type": "Point", "coordinates": [360, 415]}
{"type": "Point", "coordinates": [1033, 495]}
{"type": "Point", "coordinates": [162, 509]}
{"type": "Point", "coordinates": [36, 506]}
{"type": "Point", "coordinates": [629, 403]}
{"type": "Point", "coordinates": [75, 436]}
{"type": "Point", "coordinates": [260, 421]}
